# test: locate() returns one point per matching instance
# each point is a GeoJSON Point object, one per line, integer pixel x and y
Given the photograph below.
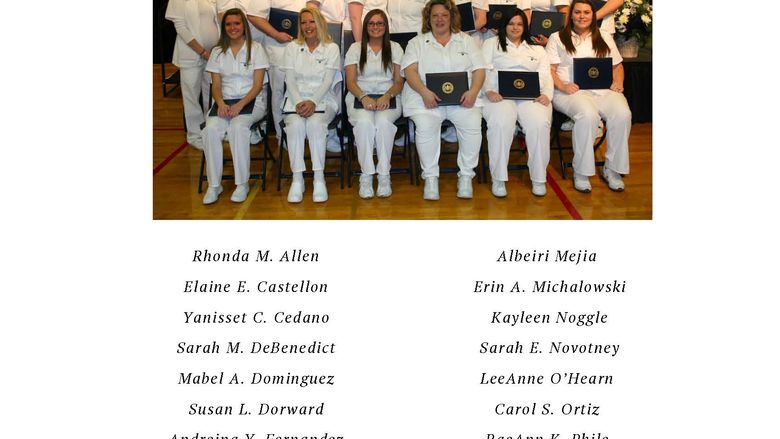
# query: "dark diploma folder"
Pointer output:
{"type": "Point", "coordinates": [545, 23]}
{"type": "Point", "coordinates": [284, 21]}
{"type": "Point", "coordinates": [593, 73]}
{"type": "Point", "coordinates": [518, 85]}
{"type": "Point", "coordinates": [496, 14]}
{"type": "Point", "coordinates": [449, 86]}
{"type": "Point", "coordinates": [246, 110]}
{"type": "Point", "coordinates": [466, 17]}
{"type": "Point", "coordinates": [402, 38]}
{"type": "Point", "coordinates": [359, 104]}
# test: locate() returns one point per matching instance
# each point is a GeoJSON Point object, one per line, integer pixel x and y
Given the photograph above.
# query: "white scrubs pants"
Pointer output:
{"type": "Point", "coordinates": [315, 128]}
{"type": "Point", "coordinates": [585, 109]}
{"type": "Point", "coordinates": [194, 83]}
{"type": "Point", "coordinates": [238, 136]}
{"type": "Point", "coordinates": [535, 119]}
{"type": "Point", "coordinates": [374, 127]}
{"type": "Point", "coordinates": [468, 124]}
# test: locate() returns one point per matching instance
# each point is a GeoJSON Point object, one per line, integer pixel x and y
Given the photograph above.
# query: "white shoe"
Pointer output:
{"type": "Point", "coordinates": [333, 142]}
{"type": "Point", "coordinates": [254, 136]}
{"type": "Point", "coordinates": [581, 183]}
{"type": "Point", "coordinates": [613, 179]}
{"type": "Point", "coordinates": [499, 188]}
{"type": "Point", "coordinates": [320, 193]}
{"type": "Point", "coordinates": [384, 189]}
{"type": "Point", "coordinates": [568, 125]}
{"type": "Point", "coordinates": [212, 194]}
{"type": "Point", "coordinates": [431, 190]}
{"type": "Point", "coordinates": [239, 195]}
{"type": "Point", "coordinates": [295, 195]}
{"type": "Point", "coordinates": [196, 142]}
{"type": "Point", "coordinates": [366, 190]}
{"type": "Point", "coordinates": [464, 187]}
{"type": "Point", "coordinates": [538, 189]}
{"type": "Point", "coordinates": [450, 135]}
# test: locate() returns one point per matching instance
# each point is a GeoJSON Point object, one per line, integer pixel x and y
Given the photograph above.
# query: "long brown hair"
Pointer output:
{"type": "Point", "coordinates": [599, 45]}
{"type": "Point", "coordinates": [387, 54]}
{"type": "Point", "coordinates": [224, 40]}
{"type": "Point", "coordinates": [449, 5]}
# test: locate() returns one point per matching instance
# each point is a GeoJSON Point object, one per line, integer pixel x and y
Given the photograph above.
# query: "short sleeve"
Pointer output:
{"type": "Point", "coordinates": [353, 54]}
{"type": "Point", "coordinates": [224, 5]}
{"type": "Point", "coordinates": [561, 3]}
{"type": "Point", "coordinates": [259, 56]}
{"type": "Point", "coordinates": [477, 61]}
{"type": "Point", "coordinates": [553, 45]}
{"type": "Point", "coordinates": [396, 52]}
{"type": "Point", "coordinates": [213, 65]}
{"type": "Point", "coordinates": [480, 4]}
{"type": "Point", "coordinates": [258, 8]}
{"type": "Point", "coordinates": [524, 4]}
{"type": "Point", "coordinates": [412, 54]}
{"type": "Point", "coordinates": [613, 50]}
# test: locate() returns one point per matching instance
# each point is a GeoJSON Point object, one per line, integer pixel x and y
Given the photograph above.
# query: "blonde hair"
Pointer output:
{"type": "Point", "coordinates": [322, 26]}
{"type": "Point", "coordinates": [449, 5]}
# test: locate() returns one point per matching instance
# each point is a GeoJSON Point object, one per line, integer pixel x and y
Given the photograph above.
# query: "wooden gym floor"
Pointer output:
{"type": "Point", "coordinates": [176, 167]}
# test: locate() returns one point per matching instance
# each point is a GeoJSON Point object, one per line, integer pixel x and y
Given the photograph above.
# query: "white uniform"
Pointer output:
{"type": "Point", "coordinates": [237, 78]}
{"type": "Point", "coordinates": [310, 76]}
{"type": "Point", "coordinates": [542, 5]}
{"type": "Point", "coordinates": [193, 19]}
{"type": "Point", "coordinates": [587, 107]}
{"type": "Point", "coordinates": [534, 117]}
{"type": "Point", "coordinates": [459, 55]}
{"type": "Point", "coordinates": [405, 15]}
{"type": "Point", "coordinates": [373, 126]}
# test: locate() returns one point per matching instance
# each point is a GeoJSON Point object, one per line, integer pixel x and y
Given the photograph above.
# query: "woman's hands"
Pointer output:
{"type": "Point", "coordinates": [305, 108]}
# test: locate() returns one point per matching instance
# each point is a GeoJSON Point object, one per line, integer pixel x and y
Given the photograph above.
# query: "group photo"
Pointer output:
{"type": "Point", "coordinates": [402, 109]}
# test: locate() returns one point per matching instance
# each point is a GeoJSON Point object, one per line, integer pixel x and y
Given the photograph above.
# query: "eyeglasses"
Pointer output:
{"type": "Point", "coordinates": [376, 24]}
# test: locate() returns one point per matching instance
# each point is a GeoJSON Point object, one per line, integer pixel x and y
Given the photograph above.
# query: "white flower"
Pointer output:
{"type": "Point", "coordinates": [638, 2]}
{"type": "Point", "coordinates": [645, 19]}
{"type": "Point", "coordinates": [625, 11]}
{"type": "Point", "coordinates": [623, 19]}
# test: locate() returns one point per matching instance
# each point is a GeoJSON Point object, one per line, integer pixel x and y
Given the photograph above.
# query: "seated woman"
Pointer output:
{"type": "Point", "coordinates": [373, 67]}
{"type": "Point", "coordinates": [580, 37]}
{"type": "Point", "coordinates": [310, 65]}
{"type": "Point", "coordinates": [510, 50]}
{"type": "Point", "coordinates": [237, 66]}
{"type": "Point", "coordinates": [443, 48]}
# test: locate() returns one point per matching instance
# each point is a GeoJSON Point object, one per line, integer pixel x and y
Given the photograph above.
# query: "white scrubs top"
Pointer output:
{"type": "Point", "coordinates": [237, 76]}
{"type": "Point", "coordinates": [522, 58]}
{"type": "Point", "coordinates": [309, 70]}
{"type": "Point", "coordinates": [565, 61]}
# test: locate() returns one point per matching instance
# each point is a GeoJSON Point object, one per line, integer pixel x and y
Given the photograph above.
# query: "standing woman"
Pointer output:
{"type": "Point", "coordinates": [580, 37]}
{"type": "Point", "coordinates": [443, 48]}
{"type": "Point", "coordinates": [373, 67]}
{"type": "Point", "coordinates": [237, 66]}
{"type": "Point", "coordinates": [196, 33]}
{"type": "Point", "coordinates": [511, 50]}
{"type": "Point", "coordinates": [310, 64]}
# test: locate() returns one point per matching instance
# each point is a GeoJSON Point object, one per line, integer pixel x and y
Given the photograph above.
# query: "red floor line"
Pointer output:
{"type": "Point", "coordinates": [564, 199]}
{"type": "Point", "coordinates": [168, 159]}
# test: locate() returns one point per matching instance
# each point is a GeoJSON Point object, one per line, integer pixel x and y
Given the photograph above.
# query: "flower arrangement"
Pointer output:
{"type": "Point", "coordinates": [635, 19]}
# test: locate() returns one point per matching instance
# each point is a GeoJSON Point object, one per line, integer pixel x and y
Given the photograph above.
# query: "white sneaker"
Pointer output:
{"type": "Point", "coordinates": [538, 189]}
{"type": "Point", "coordinates": [431, 190]}
{"type": "Point", "coordinates": [196, 142]}
{"type": "Point", "coordinates": [568, 125]}
{"type": "Point", "coordinates": [499, 188]}
{"type": "Point", "coordinates": [366, 190]}
{"type": "Point", "coordinates": [295, 195]}
{"type": "Point", "coordinates": [212, 194]}
{"type": "Point", "coordinates": [333, 142]}
{"type": "Point", "coordinates": [464, 187]}
{"type": "Point", "coordinates": [384, 189]}
{"type": "Point", "coordinates": [613, 179]}
{"type": "Point", "coordinates": [254, 136]}
{"type": "Point", "coordinates": [239, 195]}
{"type": "Point", "coordinates": [581, 183]}
{"type": "Point", "coordinates": [320, 193]}
{"type": "Point", "coordinates": [450, 135]}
